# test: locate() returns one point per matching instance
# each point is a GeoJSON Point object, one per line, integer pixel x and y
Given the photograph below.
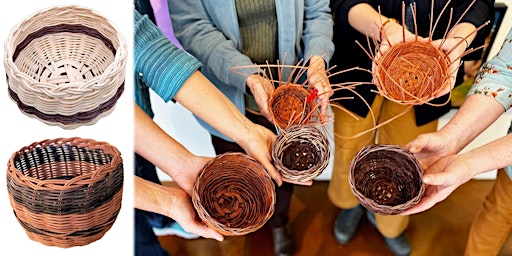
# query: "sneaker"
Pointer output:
{"type": "Point", "coordinates": [346, 224]}
{"type": "Point", "coordinates": [399, 245]}
{"type": "Point", "coordinates": [173, 228]}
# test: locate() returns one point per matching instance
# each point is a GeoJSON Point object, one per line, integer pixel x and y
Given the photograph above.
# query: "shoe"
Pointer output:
{"type": "Point", "coordinates": [399, 245]}
{"type": "Point", "coordinates": [173, 228]}
{"type": "Point", "coordinates": [346, 224]}
{"type": "Point", "coordinates": [283, 241]}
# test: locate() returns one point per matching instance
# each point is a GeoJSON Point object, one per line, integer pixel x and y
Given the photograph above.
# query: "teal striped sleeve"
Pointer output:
{"type": "Point", "coordinates": [161, 65]}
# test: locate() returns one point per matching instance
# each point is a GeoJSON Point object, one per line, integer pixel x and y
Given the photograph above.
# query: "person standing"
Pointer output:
{"type": "Point", "coordinates": [226, 34]}
{"type": "Point", "coordinates": [354, 20]}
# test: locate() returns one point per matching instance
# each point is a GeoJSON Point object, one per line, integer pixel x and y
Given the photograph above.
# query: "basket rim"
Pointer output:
{"type": "Point", "coordinates": [80, 180]}
{"type": "Point", "coordinates": [121, 51]}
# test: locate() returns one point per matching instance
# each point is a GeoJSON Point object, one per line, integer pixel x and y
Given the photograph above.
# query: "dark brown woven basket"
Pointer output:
{"type": "Point", "coordinates": [386, 179]}
{"type": "Point", "coordinates": [301, 152]}
{"type": "Point", "coordinates": [234, 194]}
{"type": "Point", "coordinates": [288, 106]}
{"type": "Point", "coordinates": [411, 72]}
{"type": "Point", "coordinates": [66, 192]}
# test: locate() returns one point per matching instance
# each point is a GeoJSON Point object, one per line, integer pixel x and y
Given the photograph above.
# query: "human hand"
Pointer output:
{"type": "Point", "coordinates": [317, 79]}
{"type": "Point", "coordinates": [453, 48]}
{"type": "Point", "coordinates": [186, 179]}
{"type": "Point", "coordinates": [261, 88]}
{"type": "Point", "coordinates": [182, 211]}
{"type": "Point", "coordinates": [441, 179]}
{"type": "Point", "coordinates": [428, 148]}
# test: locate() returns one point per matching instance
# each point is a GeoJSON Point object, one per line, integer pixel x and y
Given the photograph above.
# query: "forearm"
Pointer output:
{"type": "Point", "coordinates": [155, 145]}
{"type": "Point", "coordinates": [475, 115]}
{"type": "Point", "coordinates": [365, 19]}
{"type": "Point", "coordinates": [203, 99]}
{"type": "Point", "coordinates": [153, 197]}
{"type": "Point", "coordinates": [491, 156]}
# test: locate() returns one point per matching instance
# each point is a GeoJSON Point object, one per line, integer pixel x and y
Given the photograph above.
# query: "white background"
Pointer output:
{"type": "Point", "coordinates": [19, 130]}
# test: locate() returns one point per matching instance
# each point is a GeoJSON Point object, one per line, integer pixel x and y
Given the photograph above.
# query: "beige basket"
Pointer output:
{"type": "Point", "coordinates": [65, 65]}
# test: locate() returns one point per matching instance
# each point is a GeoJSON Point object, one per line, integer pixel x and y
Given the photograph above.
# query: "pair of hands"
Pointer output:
{"type": "Point", "coordinates": [262, 88]}
{"type": "Point", "coordinates": [444, 170]}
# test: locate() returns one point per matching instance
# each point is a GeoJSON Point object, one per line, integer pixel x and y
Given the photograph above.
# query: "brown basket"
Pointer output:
{"type": "Point", "coordinates": [234, 194]}
{"type": "Point", "coordinates": [386, 179]}
{"type": "Point", "coordinates": [301, 152]}
{"type": "Point", "coordinates": [66, 192]}
{"type": "Point", "coordinates": [411, 72]}
{"type": "Point", "coordinates": [65, 66]}
{"type": "Point", "coordinates": [288, 106]}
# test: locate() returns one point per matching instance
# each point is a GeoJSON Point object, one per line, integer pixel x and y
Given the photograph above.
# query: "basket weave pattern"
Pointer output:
{"type": "Point", "coordinates": [65, 65]}
{"type": "Point", "coordinates": [288, 106]}
{"type": "Point", "coordinates": [66, 192]}
{"type": "Point", "coordinates": [301, 152]}
{"type": "Point", "coordinates": [234, 194]}
{"type": "Point", "coordinates": [411, 72]}
{"type": "Point", "coordinates": [386, 179]}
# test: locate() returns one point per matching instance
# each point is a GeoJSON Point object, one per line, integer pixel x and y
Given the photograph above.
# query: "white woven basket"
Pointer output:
{"type": "Point", "coordinates": [65, 65]}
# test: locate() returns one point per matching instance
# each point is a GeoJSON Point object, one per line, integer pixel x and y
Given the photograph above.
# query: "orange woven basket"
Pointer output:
{"type": "Point", "coordinates": [301, 152]}
{"type": "Point", "coordinates": [411, 72]}
{"type": "Point", "coordinates": [288, 106]}
{"type": "Point", "coordinates": [66, 192]}
{"type": "Point", "coordinates": [234, 194]}
{"type": "Point", "coordinates": [386, 179]}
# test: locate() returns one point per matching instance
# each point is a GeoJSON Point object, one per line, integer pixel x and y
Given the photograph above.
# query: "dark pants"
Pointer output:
{"type": "Point", "coordinates": [283, 193]}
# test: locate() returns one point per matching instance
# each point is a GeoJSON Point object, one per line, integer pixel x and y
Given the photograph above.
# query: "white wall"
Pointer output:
{"type": "Point", "coordinates": [180, 123]}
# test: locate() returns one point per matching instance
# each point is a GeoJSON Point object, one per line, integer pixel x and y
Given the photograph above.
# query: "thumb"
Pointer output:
{"type": "Point", "coordinates": [438, 179]}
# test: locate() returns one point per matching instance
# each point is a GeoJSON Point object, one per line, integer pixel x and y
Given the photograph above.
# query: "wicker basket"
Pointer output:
{"type": "Point", "coordinates": [288, 106]}
{"type": "Point", "coordinates": [66, 192]}
{"type": "Point", "coordinates": [411, 72]}
{"type": "Point", "coordinates": [65, 66]}
{"type": "Point", "coordinates": [301, 152]}
{"type": "Point", "coordinates": [386, 179]}
{"type": "Point", "coordinates": [234, 194]}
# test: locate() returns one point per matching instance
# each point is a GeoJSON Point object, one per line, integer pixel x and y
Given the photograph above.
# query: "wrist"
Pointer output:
{"type": "Point", "coordinates": [386, 23]}
{"type": "Point", "coordinates": [460, 38]}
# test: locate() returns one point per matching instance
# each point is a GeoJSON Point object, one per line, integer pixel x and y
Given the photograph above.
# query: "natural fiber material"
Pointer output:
{"type": "Point", "coordinates": [65, 65]}
{"type": "Point", "coordinates": [411, 72]}
{"type": "Point", "coordinates": [301, 152]}
{"type": "Point", "coordinates": [288, 106]}
{"type": "Point", "coordinates": [386, 179]}
{"type": "Point", "coordinates": [66, 192]}
{"type": "Point", "coordinates": [234, 194]}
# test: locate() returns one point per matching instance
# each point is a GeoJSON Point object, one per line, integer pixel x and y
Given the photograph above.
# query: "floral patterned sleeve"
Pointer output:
{"type": "Point", "coordinates": [494, 78]}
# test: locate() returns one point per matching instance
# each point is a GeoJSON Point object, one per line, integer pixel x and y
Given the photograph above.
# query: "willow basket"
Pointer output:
{"type": "Point", "coordinates": [234, 194]}
{"type": "Point", "coordinates": [288, 106]}
{"type": "Point", "coordinates": [301, 152]}
{"type": "Point", "coordinates": [65, 66]}
{"type": "Point", "coordinates": [411, 72]}
{"type": "Point", "coordinates": [386, 179]}
{"type": "Point", "coordinates": [66, 192]}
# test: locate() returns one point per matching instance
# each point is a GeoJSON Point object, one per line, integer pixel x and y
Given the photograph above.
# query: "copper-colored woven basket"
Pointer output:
{"type": "Point", "coordinates": [301, 152]}
{"type": "Point", "coordinates": [386, 179]}
{"type": "Point", "coordinates": [288, 106]}
{"type": "Point", "coordinates": [65, 66]}
{"type": "Point", "coordinates": [66, 192]}
{"type": "Point", "coordinates": [234, 194]}
{"type": "Point", "coordinates": [411, 72]}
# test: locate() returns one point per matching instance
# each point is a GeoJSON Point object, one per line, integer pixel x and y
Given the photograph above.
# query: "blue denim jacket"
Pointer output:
{"type": "Point", "coordinates": [208, 29]}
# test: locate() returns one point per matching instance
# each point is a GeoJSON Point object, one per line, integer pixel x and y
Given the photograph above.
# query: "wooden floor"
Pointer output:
{"type": "Point", "coordinates": [440, 231]}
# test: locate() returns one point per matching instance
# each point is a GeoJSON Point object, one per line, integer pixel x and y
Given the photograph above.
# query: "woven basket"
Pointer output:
{"type": "Point", "coordinates": [411, 72]}
{"type": "Point", "coordinates": [65, 66]}
{"type": "Point", "coordinates": [301, 152]}
{"type": "Point", "coordinates": [234, 194]}
{"type": "Point", "coordinates": [66, 192]}
{"type": "Point", "coordinates": [288, 106]}
{"type": "Point", "coordinates": [386, 179]}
